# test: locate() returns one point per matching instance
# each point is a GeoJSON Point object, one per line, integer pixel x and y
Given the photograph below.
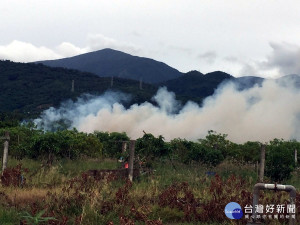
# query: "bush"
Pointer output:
{"type": "Point", "coordinates": [112, 143]}
{"type": "Point", "coordinates": [188, 151]}
{"type": "Point", "coordinates": [279, 160]}
{"type": "Point", "coordinates": [250, 152]}
{"type": "Point", "coordinates": [217, 141]}
{"type": "Point", "coordinates": [65, 144]}
{"type": "Point", "coordinates": [180, 150]}
{"type": "Point", "coordinates": [20, 140]}
{"type": "Point", "coordinates": [150, 147]}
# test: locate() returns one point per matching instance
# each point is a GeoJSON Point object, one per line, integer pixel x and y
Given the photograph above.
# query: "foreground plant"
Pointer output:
{"type": "Point", "coordinates": [36, 219]}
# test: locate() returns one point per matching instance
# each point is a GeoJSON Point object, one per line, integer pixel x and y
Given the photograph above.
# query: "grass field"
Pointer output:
{"type": "Point", "coordinates": [173, 194]}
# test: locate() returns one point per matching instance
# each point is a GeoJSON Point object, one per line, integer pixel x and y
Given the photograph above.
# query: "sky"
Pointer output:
{"type": "Point", "coordinates": [245, 37]}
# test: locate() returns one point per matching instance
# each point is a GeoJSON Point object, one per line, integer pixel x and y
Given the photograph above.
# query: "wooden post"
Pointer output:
{"type": "Point", "coordinates": [5, 152]}
{"type": "Point", "coordinates": [262, 163]}
{"type": "Point", "coordinates": [131, 159]}
{"type": "Point", "coordinates": [296, 157]}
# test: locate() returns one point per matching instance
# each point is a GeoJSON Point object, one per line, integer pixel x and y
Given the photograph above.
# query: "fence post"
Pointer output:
{"type": "Point", "coordinates": [262, 163]}
{"type": "Point", "coordinates": [131, 159]}
{"type": "Point", "coordinates": [256, 167]}
{"type": "Point", "coordinates": [5, 152]}
{"type": "Point", "coordinates": [296, 157]}
{"type": "Point", "coordinates": [124, 146]}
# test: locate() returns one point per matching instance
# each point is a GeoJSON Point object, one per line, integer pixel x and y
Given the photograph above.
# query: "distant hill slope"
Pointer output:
{"type": "Point", "coordinates": [34, 87]}
{"type": "Point", "coordinates": [109, 62]}
{"type": "Point", "coordinates": [292, 78]}
{"type": "Point", "coordinates": [196, 85]}
{"type": "Point", "coordinates": [248, 82]}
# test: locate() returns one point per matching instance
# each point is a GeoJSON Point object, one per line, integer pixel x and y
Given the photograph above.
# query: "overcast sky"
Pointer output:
{"type": "Point", "coordinates": [240, 37]}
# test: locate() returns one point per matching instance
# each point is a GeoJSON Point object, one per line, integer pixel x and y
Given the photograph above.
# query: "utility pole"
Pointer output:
{"type": "Point", "coordinates": [141, 84]}
{"type": "Point", "coordinates": [72, 90]}
{"type": "Point", "coordinates": [112, 81]}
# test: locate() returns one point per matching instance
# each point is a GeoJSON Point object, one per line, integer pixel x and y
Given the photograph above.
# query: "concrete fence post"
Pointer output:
{"type": "Point", "coordinates": [131, 159]}
{"type": "Point", "coordinates": [262, 163]}
{"type": "Point", "coordinates": [124, 146]}
{"type": "Point", "coordinates": [5, 152]}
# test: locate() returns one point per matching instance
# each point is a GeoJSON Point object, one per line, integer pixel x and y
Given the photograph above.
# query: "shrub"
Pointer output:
{"type": "Point", "coordinates": [279, 160]}
{"type": "Point", "coordinates": [150, 147]}
{"type": "Point", "coordinates": [112, 143]}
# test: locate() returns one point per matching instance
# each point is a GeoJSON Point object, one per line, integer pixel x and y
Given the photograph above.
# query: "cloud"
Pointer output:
{"type": "Point", "coordinates": [284, 57]}
{"type": "Point", "coordinates": [99, 41]}
{"type": "Point", "coordinates": [26, 52]}
{"type": "Point", "coordinates": [178, 49]}
{"type": "Point", "coordinates": [209, 56]}
{"type": "Point", "coordinates": [67, 49]}
{"type": "Point", "coordinates": [249, 70]}
{"type": "Point", "coordinates": [261, 113]}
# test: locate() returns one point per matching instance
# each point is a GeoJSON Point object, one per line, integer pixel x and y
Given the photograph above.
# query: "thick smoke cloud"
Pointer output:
{"type": "Point", "coordinates": [261, 113]}
{"type": "Point", "coordinates": [72, 113]}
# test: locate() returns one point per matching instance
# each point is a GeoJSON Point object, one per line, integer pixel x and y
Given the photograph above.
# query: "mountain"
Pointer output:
{"type": "Point", "coordinates": [109, 62]}
{"type": "Point", "coordinates": [248, 82]}
{"type": "Point", "coordinates": [290, 79]}
{"type": "Point", "coordinates": [196, 85]}
{"type": "Point", "coordinates": [31, 88]}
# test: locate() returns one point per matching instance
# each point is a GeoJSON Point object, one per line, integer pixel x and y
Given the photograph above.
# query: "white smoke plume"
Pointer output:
{"type": "Point", "coordinates": [261, 113]}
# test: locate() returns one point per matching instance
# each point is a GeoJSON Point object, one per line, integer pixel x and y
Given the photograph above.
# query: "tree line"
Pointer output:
{"type": "Point", "coordinates": [28, 142]}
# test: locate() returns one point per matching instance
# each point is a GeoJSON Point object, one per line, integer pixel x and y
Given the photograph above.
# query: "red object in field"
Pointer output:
{"type": "Point", "coordinates": [126, 165]}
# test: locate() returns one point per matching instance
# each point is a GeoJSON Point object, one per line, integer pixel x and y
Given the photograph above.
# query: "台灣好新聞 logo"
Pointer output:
{"type": "Point", "coordinates": [233, 210]}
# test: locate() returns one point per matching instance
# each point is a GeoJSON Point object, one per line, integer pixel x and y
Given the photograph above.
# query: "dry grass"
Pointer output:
{"type": "Point", "coordinates": [23, 197]}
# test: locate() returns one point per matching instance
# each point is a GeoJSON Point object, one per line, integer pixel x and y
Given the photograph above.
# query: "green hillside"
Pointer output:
{"type": "Point", "coordinates": [194, 85]}
{"type": "Point", "coordinates": [30, 88]}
